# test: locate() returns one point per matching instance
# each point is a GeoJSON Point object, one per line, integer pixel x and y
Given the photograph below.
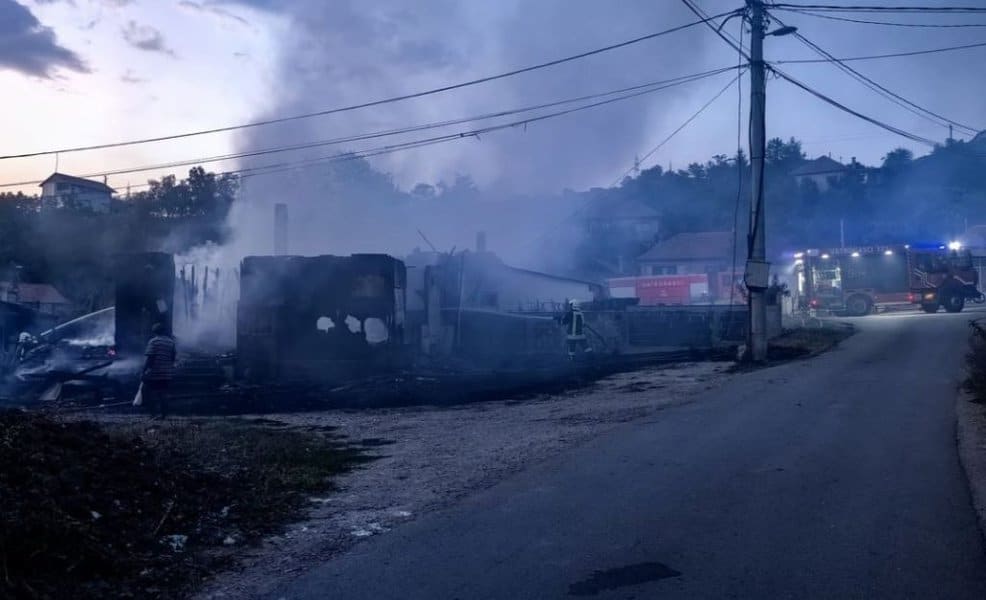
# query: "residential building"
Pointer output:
{"type": "Point", "coordinates": [689, 253]}
{"type": "Point", "coordinates": [64, 191]}
{"type": "Point", "coordinates": [822, 171]}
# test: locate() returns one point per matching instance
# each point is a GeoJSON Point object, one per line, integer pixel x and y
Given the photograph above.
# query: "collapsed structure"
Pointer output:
{"type": "Point", "coordinates": [331, 322]}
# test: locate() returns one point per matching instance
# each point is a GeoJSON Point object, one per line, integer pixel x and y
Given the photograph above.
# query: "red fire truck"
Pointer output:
{"type": "Point", "coordinates": [857, 281]}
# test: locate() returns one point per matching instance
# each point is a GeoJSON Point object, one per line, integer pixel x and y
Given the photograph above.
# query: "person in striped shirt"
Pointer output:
{"type": "Point", "coordinates": [159, 369]}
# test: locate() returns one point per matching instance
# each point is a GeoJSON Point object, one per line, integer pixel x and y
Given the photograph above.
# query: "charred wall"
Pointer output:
{"type": "Point", "coordinates": [320, 319]}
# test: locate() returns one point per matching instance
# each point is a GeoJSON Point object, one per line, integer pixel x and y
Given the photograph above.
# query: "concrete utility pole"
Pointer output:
{"type": "Point", "coordinates": [757, 267]}
{"type": "Point", "coordinates": [757, 276]}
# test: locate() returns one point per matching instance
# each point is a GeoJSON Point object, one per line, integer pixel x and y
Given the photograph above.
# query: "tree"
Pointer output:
{"type": "Point", "coordinates": [784, 156]}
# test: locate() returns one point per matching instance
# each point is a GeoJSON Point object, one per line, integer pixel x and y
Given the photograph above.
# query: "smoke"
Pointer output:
{"type": "Point", "coordinates": [505, 183]}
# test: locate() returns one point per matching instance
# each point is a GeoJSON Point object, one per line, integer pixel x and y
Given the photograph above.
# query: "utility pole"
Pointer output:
{"type": "Point", "coordinates": [757, 267]}
{"type": "Point", "coordinates": [757, 275]}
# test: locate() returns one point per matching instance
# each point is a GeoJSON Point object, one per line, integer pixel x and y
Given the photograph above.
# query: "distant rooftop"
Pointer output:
{"type": "Point", "coordinates": [79, 181]}
{"type": "Point", "coordinates": [822, 165]}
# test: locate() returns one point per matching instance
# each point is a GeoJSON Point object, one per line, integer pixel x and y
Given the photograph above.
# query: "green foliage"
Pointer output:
{"type": "Point", "coordinates": [906, 199]}
{"type": "Point", "coordinates": [72, 247]}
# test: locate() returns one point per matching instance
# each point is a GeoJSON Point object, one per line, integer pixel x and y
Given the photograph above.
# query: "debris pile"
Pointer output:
{"type": "Point", "coordinates": [90, 511]}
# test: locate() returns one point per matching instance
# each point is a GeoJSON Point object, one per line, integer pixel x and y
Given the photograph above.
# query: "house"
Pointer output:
{"type": "Point", "coordinates": [481, 280]}
{"type": "Point", "coordinates": [689, 254]}
{"type": "Point", "coordinates": [61, 191]}
{"type": "Point", "coordinates": [41, 297]}
{"type": "Point", "coordinates": [821, 171]}
{"type": "Point", "coordinates": [684, 269]}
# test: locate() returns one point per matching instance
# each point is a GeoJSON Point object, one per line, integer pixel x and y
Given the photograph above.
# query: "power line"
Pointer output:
{"type": "Point", "coordinates": [584, 207]}
{"type": "Point", "coordinates": [680, 127]}
{"type": "Point", "coordinates": [844, 108]}
{"type": "Point", "coordinates": [627, 92]}
{"type": "Point", "coordinates": [370, 103]}
{"type": "Point", "coordinates": [884, 23]}
{"type": "Point", "coordinates": [880, 89]}
{"type": "Point", "coordinates": [880, 9]}
{"type": "Point", "coordinates": [879, 56]}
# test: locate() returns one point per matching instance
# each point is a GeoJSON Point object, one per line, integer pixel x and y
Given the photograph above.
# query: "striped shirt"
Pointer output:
{"type": "Point", "coordinates": [160, 353]}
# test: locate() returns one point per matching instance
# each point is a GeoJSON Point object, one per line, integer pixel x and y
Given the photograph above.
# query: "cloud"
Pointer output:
{"type": "Point", "coordinates": [28, 47]}
{"type": "Point", "coordinates": [146, 37]}
{"type": "Point", "coordinates": [213, 9]}
{"type": "Point", "coordinates": [130, 77]}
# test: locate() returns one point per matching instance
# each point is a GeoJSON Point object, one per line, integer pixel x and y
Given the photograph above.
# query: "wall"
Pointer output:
{"type": "Point", "coordinates": [322, 319]}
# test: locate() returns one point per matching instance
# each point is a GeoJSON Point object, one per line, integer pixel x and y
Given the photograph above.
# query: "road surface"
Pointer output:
{"type": "Point", "coordinates": [835, 477]}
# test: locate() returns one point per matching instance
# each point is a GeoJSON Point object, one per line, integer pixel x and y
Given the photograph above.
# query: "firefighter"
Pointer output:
{"type": "Point", "coordinates": [574, 322]}
{"type": "Point", "coordinates": [25, 343]}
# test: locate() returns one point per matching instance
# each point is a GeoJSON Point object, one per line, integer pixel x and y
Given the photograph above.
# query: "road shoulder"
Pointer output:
{"type": "Point", "coordinates": [971, 435]}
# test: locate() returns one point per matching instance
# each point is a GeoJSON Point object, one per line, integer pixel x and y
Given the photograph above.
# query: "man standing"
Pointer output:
{"type": "Point", "coordinates": [159, 370]}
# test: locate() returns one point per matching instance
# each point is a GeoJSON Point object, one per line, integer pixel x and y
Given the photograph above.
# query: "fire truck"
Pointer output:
{"type": "Point", "coordinates": [858, 281]}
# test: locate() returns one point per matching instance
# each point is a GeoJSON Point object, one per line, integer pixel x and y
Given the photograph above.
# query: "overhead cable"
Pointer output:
{"type": "Point", "coordinates": [368, 104]}
{"type": "Point", "coordinates": [627, 92]}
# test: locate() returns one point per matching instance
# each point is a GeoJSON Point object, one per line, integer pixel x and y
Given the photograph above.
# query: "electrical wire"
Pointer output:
{"type": "Point", "coordinates": [691, 118]}
{"type": "Point", "coordinates": [879, 9]}
{"type": "Point", "coordinates": [678, 130]}
{"type": "Point", "coordinates": [627, 93]}
{"type": "Point", "coordinates": [655, 85]}
{"type": "Point", "coordinates": [880, 56]}
{"type": "Point", "coordinates": [844, 108]}
{"type": "Point", "coordinates": [368, 104]}
{"type": "Point", "coordinates": [880, 89]}
{"type": "Point", "coordinates": [884, 23]}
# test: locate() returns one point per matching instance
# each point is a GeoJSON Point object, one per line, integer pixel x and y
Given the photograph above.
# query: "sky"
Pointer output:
{"type": "Point", "coordinates": [80, 72]}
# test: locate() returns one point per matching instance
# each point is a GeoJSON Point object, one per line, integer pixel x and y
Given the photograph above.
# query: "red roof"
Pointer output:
{"type": "Point", "coordinates": [34, 293]}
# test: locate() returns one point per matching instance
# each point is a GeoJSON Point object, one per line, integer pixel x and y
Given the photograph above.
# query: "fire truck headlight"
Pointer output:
{"type": "Point", "coordinates": [929, 296]}
{"type": "Point", "coordinates": [955, 245]}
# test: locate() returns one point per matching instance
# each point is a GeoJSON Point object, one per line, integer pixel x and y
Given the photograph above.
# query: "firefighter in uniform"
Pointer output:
{"type": "Point", "coordinates": [574, 322]}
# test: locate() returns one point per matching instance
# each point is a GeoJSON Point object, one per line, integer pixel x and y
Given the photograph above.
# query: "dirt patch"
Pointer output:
{"type": "Point", "coordinates": [124, 510]}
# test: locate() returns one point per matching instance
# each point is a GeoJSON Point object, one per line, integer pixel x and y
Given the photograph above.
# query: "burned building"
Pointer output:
{"type": "Point", "coordinates": [323, 318]}
{"type": "Point", "coordinates": [145, 294]}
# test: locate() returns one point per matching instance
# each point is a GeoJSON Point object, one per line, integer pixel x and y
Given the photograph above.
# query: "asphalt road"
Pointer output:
{"type": "Point", "coordinates": [835, 477]}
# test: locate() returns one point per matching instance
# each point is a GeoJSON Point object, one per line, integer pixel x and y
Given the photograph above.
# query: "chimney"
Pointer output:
{"type": "Point", "coordinates": [280, 229]}
{"type": "Point", "coordinates": [481, 241]}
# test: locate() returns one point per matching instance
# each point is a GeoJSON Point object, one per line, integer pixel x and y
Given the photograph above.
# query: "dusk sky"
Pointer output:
{"type": "Point", "coordinates": [79, 72]}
